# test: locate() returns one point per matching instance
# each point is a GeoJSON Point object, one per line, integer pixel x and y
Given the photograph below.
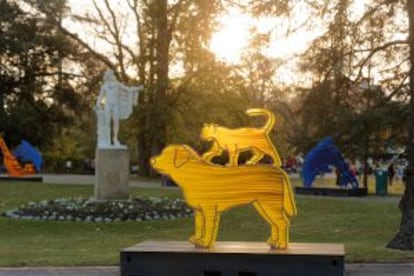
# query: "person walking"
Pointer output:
{"type": "Point", "coordinates": [391, 173]}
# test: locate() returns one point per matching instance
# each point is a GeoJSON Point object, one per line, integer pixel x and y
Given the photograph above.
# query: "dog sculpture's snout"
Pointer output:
{"type": "Point", "coordinates": [153, 161]}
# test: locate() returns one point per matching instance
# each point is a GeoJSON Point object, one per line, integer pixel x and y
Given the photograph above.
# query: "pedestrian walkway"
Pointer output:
{"type": "Point", "coordinates": [140, 183]}
{"type": "Point", "coordinates": [82, 179]}
{"type": "Point", "coordinates": [385, 269]}
{"type": "Point", "coordinates": [61, 271]}
{"type": "Point", "coordinates": [402, 269]}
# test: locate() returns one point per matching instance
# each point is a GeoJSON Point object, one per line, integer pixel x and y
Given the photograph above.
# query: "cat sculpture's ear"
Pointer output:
{"type": "Point", "coordinates": [181, 156]}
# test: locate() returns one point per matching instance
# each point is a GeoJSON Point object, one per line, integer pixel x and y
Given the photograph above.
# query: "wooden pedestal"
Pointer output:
{"type": "Point", "coordinates": [232, 259]}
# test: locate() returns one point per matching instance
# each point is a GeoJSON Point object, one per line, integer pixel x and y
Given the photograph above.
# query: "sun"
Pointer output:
{"type": "Point", "coordinates": [231, 39]}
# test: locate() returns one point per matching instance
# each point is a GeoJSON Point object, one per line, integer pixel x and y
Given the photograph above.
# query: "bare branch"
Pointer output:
{"type": "Point", "coordinates": [141, 59]}
{"type": "Point", "coordinates": [373, 10]}
{"type": "Point", "coordinates": [175, 10]}
{"type": "Point", "coordinates": [115, 33]}
{"type": "Point", "coordinates": [103, 18]}
{"type": "Point", "coordinates": [376, 50]}
{"type": "Point", "coordinates": [117, 37]}
{"type": "Point", "coordinates": [394, 67]}
{"type": "Point", "coordinates": [85, 45]}
{"type": "Point", "coordinates": [398, 89]}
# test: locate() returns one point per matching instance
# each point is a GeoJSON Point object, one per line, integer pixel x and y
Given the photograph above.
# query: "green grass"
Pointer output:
{"type": "Point", "coordinates": [363, 225]}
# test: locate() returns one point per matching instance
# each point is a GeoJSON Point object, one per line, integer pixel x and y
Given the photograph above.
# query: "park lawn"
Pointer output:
{"type": "Point", "coordinates": [397, 189]}
{"type": "Point", "coordinates": [364, 225]}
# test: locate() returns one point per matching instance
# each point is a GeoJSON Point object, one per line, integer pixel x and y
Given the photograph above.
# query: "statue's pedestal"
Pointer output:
{"type": "Point", "coordinates": [112, 174]}
{"type": "Point", "coordinates": [232, 259]}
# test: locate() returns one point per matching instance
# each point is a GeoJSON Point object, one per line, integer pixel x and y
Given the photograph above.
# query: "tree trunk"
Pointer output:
{"type": "Point", "coordinates": [404, 239]}
{"type": "Point", "coordinates": [144, 156]}
{"type": "Point", "coordinates": [365, 171]}
{"type": "Point", "coordinates": [144, 143]}
{"type": "Point", "coordinates": [1, 104]}
{"type": "Point", "coordinates": [156, 110]}
{"type": "Point", "coordinates": [161, 84]}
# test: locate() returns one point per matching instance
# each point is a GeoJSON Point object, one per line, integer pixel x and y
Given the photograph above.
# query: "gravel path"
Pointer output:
{"type": "Point", "coordinates": [402, 269]}
{"type": "Point", "coordinates": [90, 180]}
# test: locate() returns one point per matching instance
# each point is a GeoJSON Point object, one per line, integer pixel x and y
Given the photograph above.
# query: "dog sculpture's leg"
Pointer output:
{"type": "Point", "coordinates": [199, 226]}
{"type": "Point", "coordinates": [211, 223]}
{"type": "Point", "coordinates": [214, 151]}
{"type": "Point", "coordinates": [278, 222]}
{"type": "Point", "coordinates": [280, 232]}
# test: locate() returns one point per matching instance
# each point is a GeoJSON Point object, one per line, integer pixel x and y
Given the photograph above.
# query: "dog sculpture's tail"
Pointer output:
{"type": "Point", "coordinates": [263, 112]}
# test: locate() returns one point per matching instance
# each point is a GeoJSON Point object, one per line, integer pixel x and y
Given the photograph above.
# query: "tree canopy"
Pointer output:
{"type": "Point", "coordinates": [358, 67]}
{"type": "Point", "coordinates": [37, 96]}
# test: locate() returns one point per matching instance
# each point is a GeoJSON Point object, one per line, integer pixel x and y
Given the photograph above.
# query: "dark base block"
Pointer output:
{"type": "Point", "coordinates": [232, 259]}
{"type": "Point", "coordinates": [331, 191]}
{"type": "Point", "coordinates": [31, 178]}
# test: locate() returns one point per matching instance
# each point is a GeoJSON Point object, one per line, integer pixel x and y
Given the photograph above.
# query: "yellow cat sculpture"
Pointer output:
{"type": "Point", "coordinates": [235, 141]}
{"type": "Point", "coordinates": [211, 189]}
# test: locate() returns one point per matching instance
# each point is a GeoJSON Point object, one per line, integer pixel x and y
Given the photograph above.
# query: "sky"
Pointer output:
{"type": "Point", "coordinates": [232, 35]}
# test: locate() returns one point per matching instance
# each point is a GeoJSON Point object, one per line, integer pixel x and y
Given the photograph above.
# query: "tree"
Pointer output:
{"type": "Point", "coordinates": [369, 47]}
{"type": "Point", "coordinates": [159, 33]}
{"type": "Point", "coordinates": [36, 98]}
{"type": "Point", "coordinates": [404, 239]}
{"type": "Point", "coordinates": [360, 81]}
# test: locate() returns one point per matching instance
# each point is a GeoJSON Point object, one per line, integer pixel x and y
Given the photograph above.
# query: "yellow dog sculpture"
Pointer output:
{"type": "Point", "coordinates": [211, 189]}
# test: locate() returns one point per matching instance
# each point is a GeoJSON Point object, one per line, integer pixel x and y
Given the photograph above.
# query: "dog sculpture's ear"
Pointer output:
{"type": "Point", "coordinates": [181, 156]}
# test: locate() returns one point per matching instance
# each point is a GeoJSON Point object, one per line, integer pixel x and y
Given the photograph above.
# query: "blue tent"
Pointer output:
{"type": "Point", "coordinates": [320, 157]}
{"type": "Point", "coordinates": [27, 153]}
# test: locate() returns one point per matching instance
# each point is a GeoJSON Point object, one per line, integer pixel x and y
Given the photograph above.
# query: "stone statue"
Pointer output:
{"type": "Point", "coordinates": [115, 102]}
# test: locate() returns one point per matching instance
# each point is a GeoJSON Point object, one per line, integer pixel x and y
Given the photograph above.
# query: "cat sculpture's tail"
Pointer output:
{"type": "Point", "coordinates": [263, 112]}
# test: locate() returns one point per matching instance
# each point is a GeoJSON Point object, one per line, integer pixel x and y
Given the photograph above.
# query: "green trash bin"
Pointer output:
{"type": "Point", "coordinates": [381, 182]}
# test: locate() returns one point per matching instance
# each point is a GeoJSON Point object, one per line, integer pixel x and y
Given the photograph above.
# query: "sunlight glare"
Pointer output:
{"type": "Point", "coordinates": [229, 42]}
{"type": "Point", "coordinates": [232, 38]}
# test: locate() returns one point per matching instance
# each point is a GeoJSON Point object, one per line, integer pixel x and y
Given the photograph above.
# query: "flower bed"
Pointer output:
{"type": "Point", "coordinates": [80, 209]}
